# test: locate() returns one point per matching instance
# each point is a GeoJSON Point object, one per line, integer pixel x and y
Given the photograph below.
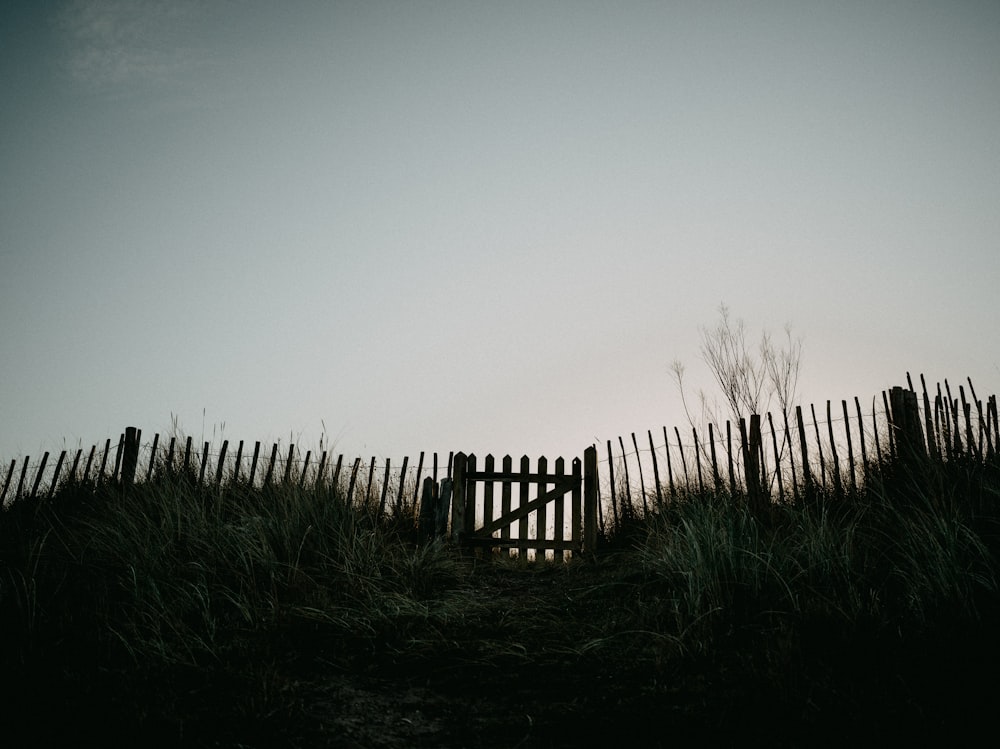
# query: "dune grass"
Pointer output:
{"type": "Point", "coordinates": [185, 615]}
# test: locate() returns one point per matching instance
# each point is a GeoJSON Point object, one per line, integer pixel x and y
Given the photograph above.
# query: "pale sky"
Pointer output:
{"type": "Point", "coordinates": [488, 227]}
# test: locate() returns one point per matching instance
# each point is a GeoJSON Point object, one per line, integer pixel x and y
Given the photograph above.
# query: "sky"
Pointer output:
{"type": "Point", "coordinates": [487, 227]}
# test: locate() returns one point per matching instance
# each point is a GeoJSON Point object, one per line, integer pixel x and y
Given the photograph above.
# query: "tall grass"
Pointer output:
{"type": "Point", "coordinates": [187, 611]}
{"type": "Point", "coordinates": [171, 581]}
{"type": "Point", "coordinates": [903, 552]}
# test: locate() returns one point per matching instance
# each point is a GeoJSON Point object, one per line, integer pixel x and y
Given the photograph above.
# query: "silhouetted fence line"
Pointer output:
{"type": "Point", "coordinates": [787, 456]}
{"type": "Point", "coordinates": [771, 457]}
{"type": "Point", "coordinates": [518, 525]}
{"type": "Point", "coordinates": [130, 461]}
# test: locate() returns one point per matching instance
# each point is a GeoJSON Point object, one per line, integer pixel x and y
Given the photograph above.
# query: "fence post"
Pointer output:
{"type": "Point", "coordinates": [104, 461]}
{"type": "Point", "coordinates": [402, 480]}
{"type": "Point", "coordinates": [458, 499]}
{"type": "Point", "coordinates": [751, 470]}
{"type": "Point", "coordinates": [733, 488]}
{"type": "Point", "coordinates": [20, 484]}
{"type": "Point", "coordinates": [385, 489]}
{"type": "Point", "coordinates": [221, 464]}
{"type": "Point", "coordinates": [470, 496]}
{"type": "Point", "coordinates": [130, 456]}
{"type": "Point", "coordinates": [838, 487]}
{"type": "Point", "coordinates": [441, 507]}
{"type": "Point", "coordinates": [152, 457]}
{"type": "Point", "coordinates": [434, 506]}
{"type": "Point", "coordinates": [427, 529]}
{"type": "Point", "coordinates": [204, 464]}
{"type": "Point", "coordinates": [611, 481]}
{"type": "Point", "coordinates": [716, 479]}
{"type": "Point", "coordinates": [576, 507]}
{"type": "Point", "coordinates": [55, 475]}
{"type": "Point", "coordinates": [590, 499]}
{"type": "Point", "coordinates": [656, 468]}
{"type": "Point", "coordinates": [905, 424]}
{"type": "Point", "coordinates": [755, 489]}
{"type": "Point", "coordinates": [6, 483]}
{"type": "Point", "coordinates": [38, 476]}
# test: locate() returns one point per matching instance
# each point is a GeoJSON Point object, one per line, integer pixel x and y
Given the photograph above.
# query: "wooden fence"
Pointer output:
{"type": "Point", "coordinates": [762, 458]}
{"type": "Point", "coordinates": [129, 460]}
{"type": "Point", "coordinates": [427, 504]}
{"type": "Point", "coordinates": [785, 457]}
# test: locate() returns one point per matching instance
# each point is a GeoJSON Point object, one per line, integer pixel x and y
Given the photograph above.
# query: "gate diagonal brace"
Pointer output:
{"type": "Point", "coordinates": [561, 488]}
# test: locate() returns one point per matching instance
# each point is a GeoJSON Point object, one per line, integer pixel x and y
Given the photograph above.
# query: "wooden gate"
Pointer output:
{"type": "Point", "coordinates": [476, 523]}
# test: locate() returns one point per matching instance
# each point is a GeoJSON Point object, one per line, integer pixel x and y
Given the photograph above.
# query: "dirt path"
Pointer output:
{"type": "Point", "coordinates": [523, 679]}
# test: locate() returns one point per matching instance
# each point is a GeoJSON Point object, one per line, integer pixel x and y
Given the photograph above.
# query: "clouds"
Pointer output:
{"type": "Point", "coordinates": [499, 209]}
{"type": "Point", "coordinates": [114, 43]}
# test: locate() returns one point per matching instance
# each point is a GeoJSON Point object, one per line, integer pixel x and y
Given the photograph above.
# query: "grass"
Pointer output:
{"type": "Point", "coordinates": [185, 616]}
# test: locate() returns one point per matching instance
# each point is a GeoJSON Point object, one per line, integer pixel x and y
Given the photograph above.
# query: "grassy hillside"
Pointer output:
{"type": "Point", "coordinates": [185, 616]}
